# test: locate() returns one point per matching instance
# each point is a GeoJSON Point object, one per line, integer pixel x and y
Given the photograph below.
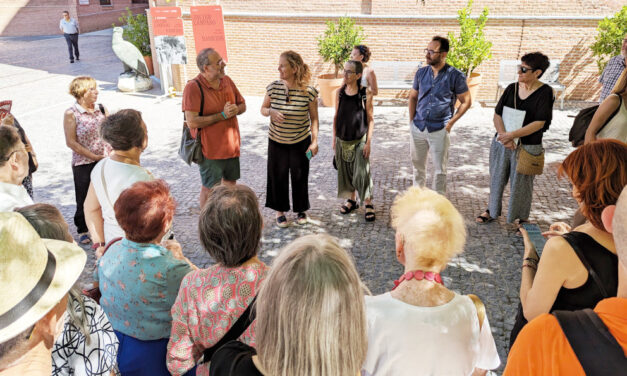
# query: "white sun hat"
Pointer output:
{"type": "Point", "coordinates": [35, 274]}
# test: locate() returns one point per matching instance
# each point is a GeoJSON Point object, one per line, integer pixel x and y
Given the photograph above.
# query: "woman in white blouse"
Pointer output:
{"type": "Point", "coordinates": [361, 53]}
{"type": "Point", "coordinates": [421, 327]}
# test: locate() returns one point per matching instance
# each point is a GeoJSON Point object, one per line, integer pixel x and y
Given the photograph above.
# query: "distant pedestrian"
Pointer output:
{"type": "Point", "coordinates": [612, 71]}
{"type": "Point", "coordinates": [69, 27]}
{"type": "Point", "coordinates": [432, 113]}
{"type": "Point", "coordinates": [353, 126]}
{"type": "Point", "coordinates": [361, 53]}
{"type": "Point", "coordinates": [211, 103]}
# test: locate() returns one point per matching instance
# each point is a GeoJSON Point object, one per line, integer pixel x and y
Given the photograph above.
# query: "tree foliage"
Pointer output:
{"type": "Point", "coordinates": [136, 31]}
{"type": "Point", "coordinates": [609, 40]}
{"type": "Point", "coordinates": [338, 40]}
{"type": "Point", "coordinates": [471, 48]}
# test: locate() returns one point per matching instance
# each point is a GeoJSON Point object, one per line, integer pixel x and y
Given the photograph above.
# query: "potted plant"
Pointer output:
{"type": "Point", "coordinates": [335, 46]}
{"type": "Point", "coordinates": [608, 42]}
{"type": "Point", "coordinates": [136, 32]}
{"type": "Point", "coordinates": [471, 48]}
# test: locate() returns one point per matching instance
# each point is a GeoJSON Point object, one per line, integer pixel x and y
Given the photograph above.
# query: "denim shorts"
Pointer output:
{"type": "Point", "coordinates": [212, 171]}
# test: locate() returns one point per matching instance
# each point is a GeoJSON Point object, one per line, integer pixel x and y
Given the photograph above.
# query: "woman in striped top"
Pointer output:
{"type": "Point", "coordinates": [293, 137]}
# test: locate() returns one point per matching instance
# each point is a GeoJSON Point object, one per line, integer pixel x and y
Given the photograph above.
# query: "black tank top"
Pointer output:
{"type": "Point", "coordinates": [352, 121]}
{"type": "Point", "coordinates": [602, 262]}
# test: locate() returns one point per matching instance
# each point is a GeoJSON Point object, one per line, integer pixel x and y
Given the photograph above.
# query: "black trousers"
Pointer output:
{"type": "Point", "coordinates": [82, 179]}
{"type": "Point", "coordinates": [72, 41]}
{"type": "Point", "coordinates": [285, 161]}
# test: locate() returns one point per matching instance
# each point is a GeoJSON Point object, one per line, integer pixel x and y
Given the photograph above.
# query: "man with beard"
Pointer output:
{"type": "Point", "coordinates": [612, 71]}
{"type": "Point", "coordinates": [432, 113]}
{"type": "Point", "coordinates": [211, 103]}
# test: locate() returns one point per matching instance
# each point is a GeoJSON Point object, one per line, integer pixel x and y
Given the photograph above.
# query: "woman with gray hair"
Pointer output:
{"type": "Point", "coordinates": [87, 345]}
{"type": "Point", "coordinates": [310, 316]}
{"type": "Point", "coordinates": [421, 327]}
{"type": "Point", "coordinates": [126, 132]}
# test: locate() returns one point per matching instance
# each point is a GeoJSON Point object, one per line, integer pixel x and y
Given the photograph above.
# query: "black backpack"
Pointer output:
{"type": "Point", "coordinates": [596, 348]}
{"type": "Point", "coordinates": [577, 133]}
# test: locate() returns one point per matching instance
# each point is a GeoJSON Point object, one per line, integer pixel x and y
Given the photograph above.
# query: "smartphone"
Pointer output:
{"type": "Point", "coordinates": [535, 235]}
{"type": "Point", "coordinates": [309, 154]}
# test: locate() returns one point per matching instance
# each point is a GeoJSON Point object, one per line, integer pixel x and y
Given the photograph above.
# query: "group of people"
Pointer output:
{"type": "Point", "coordinates": [308, 313]}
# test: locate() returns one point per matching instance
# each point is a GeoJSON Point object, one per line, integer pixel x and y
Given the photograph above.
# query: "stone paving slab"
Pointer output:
{"type": "Point", "coordinates": [35, 73]}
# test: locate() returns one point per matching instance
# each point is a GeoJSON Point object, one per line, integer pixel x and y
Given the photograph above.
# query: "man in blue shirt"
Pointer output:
{"type": "Point", "coordinates": [436, 88]}
{"type": "Point", "coordinates": [69, 27]}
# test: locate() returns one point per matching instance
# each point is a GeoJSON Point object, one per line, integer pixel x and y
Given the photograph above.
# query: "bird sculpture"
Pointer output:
{"type": "Point", "coordinates": [129, 54]}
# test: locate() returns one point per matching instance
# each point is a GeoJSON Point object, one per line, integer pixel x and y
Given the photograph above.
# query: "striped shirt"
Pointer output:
{"type": "Point", "coordinates": [296, 124]}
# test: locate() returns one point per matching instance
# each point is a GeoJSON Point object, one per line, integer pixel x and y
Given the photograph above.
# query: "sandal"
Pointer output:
{"type": "Point", "coordinates": [483, 218]}
{"type": "Point", "coordinates": [84, 238]}
{"type": "Point", "coordinates": [370, 214]}
{"type": "Point", "coordinates": [345, 209]}
{"type": "Point", "coordinates": [281, 221]}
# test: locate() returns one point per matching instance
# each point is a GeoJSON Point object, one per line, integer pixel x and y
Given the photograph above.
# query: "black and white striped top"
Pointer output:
{"type": "Point", "coordinates": [296, 125]}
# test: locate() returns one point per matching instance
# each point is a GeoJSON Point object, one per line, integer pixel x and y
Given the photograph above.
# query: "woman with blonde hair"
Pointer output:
{"type": "Point", "coordinates": [310, 316]}
{"type": "Point", "coordinates": [610, 119]}
{"type": "Point", "coordinates": [292, 106]}
{"type": "Point", "coordinates": [421, 327]}
{"type": "Point", "coordinates": [81, 124]}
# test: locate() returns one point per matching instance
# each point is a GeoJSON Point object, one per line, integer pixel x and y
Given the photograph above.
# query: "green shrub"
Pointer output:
{"type": "Point", "coordinates": [136, 31]}
{"type": "Point", "coordinates": [338, 41]}
{"type": "Point", "coordinates": [471, 48]}
{"type": "Point", "coordinates": [608, 42]}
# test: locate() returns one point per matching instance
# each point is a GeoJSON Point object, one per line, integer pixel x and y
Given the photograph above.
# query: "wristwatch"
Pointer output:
{"type": "Point", "coordinates": [95, 246]}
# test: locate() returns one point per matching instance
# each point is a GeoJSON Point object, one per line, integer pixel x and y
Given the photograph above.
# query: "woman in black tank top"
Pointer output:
{"type": "Point", "coordinates": [579, 268]}
{"type": "Point", "coordinates": [353, 125]}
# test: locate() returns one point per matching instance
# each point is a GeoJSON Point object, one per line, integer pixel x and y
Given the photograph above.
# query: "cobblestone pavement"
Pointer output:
{"type": "Point", "coordinates": [35, 73]}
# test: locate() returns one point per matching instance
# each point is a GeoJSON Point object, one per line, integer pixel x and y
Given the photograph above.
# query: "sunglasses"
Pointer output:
{"type": "Point", "coordinates": [522, 69]}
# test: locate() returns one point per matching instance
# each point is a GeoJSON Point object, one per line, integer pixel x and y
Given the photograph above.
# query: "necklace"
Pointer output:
{"type": "Point", "coordinates": [124, 159]}
{"type": "Point", "coordinates": [419, 275]}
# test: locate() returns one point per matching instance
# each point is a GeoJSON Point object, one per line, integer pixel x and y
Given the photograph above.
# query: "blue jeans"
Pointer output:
{"type": "Point", "coordinates": [72, 41]}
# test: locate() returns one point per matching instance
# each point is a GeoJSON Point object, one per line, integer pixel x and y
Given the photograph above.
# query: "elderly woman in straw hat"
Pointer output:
{"type": "Point", "coordinates": [310, 316]}
{"type": "Point", "coordinates": [410, 326]}
{"type": "Point", "coordinates": [35, 277]}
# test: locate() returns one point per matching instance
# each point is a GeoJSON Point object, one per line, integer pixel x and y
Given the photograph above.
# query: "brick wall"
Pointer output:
{"type": "Point", "coordinates": [41, 17]}
{"type": "Point", "coordinates": [254, 43]}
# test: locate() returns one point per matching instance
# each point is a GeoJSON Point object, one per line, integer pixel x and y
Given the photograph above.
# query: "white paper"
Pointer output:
{"type": "Point", "coordinates": [513, 119]}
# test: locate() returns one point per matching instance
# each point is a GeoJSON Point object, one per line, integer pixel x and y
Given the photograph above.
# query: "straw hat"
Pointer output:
{"type": "Point", "coordinates": [35, 274]}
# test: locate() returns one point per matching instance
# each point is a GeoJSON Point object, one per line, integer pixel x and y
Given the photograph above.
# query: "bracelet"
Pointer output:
{"type": "Point", "coordinates": [95, 246]}
{"type": "Point", "coordinates": [532, 260]}
{"type": "Point", "coordinates": [223, 115]}
{"type": "Point", "coordinates": [530, 266]}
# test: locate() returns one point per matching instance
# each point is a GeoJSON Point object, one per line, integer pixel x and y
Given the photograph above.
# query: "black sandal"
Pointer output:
{"type": "Point", "coordinates": [345, 209]}
{"type": "Point", "coordinates": [483, 219]}
{"type": "Point", "coordinates": [370, 215]}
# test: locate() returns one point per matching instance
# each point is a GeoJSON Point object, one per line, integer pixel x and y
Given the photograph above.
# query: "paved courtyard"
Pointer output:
{"type": "Point", "coordinates": [35, 73]}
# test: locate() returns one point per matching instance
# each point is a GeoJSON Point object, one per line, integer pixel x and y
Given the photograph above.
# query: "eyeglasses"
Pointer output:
{"type": "Point", "coordinates": [13, 152]}
{"type": "Point", "coordinates": [431, 52]}
{"type": "Point", "coordinates": [522, 69]}
{"type": "Point", "coordinates": [348, 72]}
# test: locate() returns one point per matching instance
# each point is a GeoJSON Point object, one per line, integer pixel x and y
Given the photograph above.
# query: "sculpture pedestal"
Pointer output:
{"type": "Point", "coordinates": [130, 82]}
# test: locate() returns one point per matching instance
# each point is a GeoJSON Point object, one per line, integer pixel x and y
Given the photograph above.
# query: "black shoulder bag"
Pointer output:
{"type": "Point", "coordinates": [191, 148]}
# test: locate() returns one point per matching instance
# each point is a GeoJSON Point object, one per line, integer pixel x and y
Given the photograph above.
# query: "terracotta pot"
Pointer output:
{"type": "Point", "coordinates": [474, 81]}
{"type": "Point", "coordinates": [148, 60]}
{"type": "Point", "coordinates": [329, 84]}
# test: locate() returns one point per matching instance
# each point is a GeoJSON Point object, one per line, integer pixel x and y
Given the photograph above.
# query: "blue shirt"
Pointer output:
{"type": "Point", "coordinates": [139, 283]}
{"type": "Point", "coordinates": [437, 96]}
{"type": "Point", "coordinates": [68, 27]}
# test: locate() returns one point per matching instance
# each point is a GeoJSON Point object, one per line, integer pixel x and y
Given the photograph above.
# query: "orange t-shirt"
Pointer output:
{"type": "Point", "coordinates": [220, 140]}
{"type": "Point", "coordinates": [542, 348]}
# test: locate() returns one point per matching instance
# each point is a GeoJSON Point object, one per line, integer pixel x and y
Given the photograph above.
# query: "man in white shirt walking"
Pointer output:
{"type": "Point", "coordinates": [69, 27]}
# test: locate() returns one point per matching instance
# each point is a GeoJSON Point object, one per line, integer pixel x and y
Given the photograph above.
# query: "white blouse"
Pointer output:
{"type": "Point", "coordinates": [404, 339]}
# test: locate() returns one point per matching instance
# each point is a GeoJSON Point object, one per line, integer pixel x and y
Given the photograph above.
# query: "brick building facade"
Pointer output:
{"type": "Point", "coordinates": [41, 17]}
{"type": "Point", "coordinates": [258, 31]}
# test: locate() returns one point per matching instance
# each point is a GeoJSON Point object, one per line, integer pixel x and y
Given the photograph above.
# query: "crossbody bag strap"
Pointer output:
{"type": "Point", "coordinates": [620, 103]}
{"type": "Point", "coordinates": [104, 181]}
{"type": "Point", "coordinates": [595, 277]}
{"type": "Point", "coordinates": [242, 323]}
{"type": "Point", "coordinates": [480, 308]}
{"type": "Point", "coordinates": [596, 348]}
{"type": "Point", "coordinates": [202, 99]}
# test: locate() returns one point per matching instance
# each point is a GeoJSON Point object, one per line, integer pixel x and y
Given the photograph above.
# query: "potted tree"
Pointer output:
{"type": "Point", "coordinates": [471, 48]}
{"type": "Point", "coordinates": [335, 46]}
{"type": "Point", "coordinates": [136, 32]}
{"type": "Point", "coordinates": [608, 41]}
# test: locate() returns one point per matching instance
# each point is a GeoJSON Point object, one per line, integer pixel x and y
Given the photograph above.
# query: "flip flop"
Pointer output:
{"type": "Point", "coordinates": [483, 219]}
{"type": "Point", "coordinates": [84, 238]}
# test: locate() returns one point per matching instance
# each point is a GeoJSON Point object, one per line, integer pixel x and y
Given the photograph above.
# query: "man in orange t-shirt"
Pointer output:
{"type": "Point", "coordinates": [543, 349]}
{"type": "Point", "coordinates": [217, 124]}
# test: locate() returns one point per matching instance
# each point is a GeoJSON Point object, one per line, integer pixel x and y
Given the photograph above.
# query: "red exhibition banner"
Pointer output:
{"type": "Point", "coordinates": [167, 21]}
{"type": "Point", "coordinates": [208, 27]}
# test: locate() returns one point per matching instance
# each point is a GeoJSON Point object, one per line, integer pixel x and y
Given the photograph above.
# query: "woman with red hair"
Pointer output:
{"type": "Point", "coordinates": [578, 268]}
{"type": "Point", "coordinates": [139, 277]}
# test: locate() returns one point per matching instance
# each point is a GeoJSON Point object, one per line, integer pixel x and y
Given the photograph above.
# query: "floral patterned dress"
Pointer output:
{"type": "Point", "coordinates": [209, 302]}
